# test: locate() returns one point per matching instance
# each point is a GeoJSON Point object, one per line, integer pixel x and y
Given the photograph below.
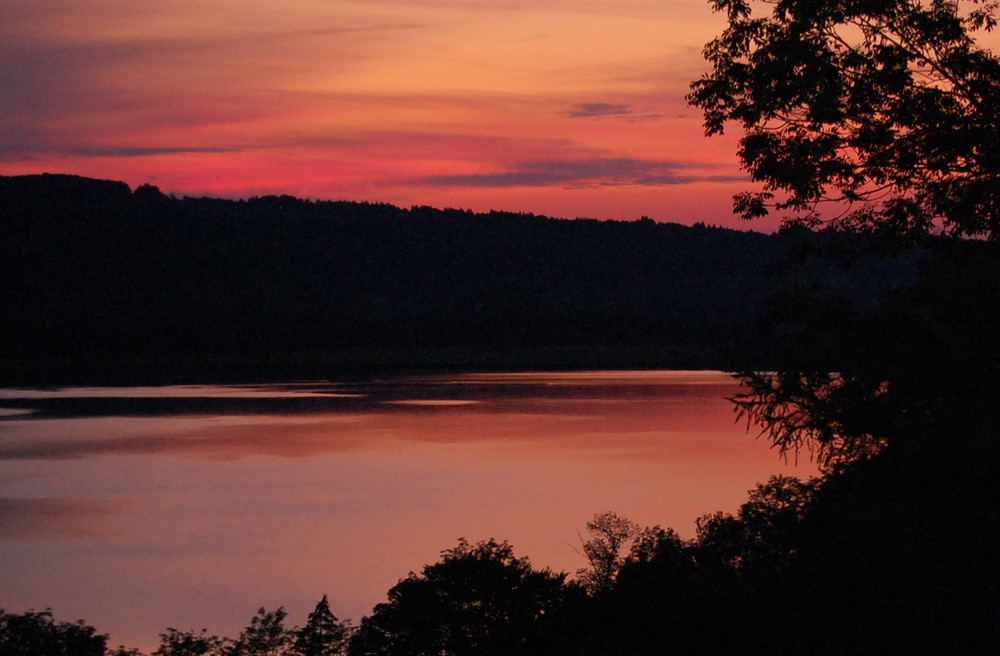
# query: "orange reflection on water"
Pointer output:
{"type": "Point", "coordinates": [203, 509]}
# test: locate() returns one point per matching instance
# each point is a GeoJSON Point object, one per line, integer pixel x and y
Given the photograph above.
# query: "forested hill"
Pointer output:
{"type": "Point", "coordinates": [92, 272]}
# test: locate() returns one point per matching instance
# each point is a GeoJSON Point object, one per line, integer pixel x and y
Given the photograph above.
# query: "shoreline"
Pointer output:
{"type": "Point", "coordinates": [352, 363]}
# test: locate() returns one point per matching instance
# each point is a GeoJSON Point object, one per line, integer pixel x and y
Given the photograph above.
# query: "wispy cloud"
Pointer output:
{"type": "Point", "coordinates": [595, 172]}
{"type": "Point", "coordinates": [603, 110]}
{"type": "Point", "coordinates": [139, 151]}
{"type": "Point", "coordinates": [135, 151]}
{"type": "Point", "coordinates": [587, 110]}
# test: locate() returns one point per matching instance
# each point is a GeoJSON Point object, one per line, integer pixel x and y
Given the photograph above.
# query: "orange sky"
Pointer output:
{"type": "Point", "coordinates": [560, 107]}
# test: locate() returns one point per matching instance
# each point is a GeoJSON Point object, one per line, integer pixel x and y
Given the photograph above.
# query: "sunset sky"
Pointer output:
{"type": "Point", "coordinates": [560, 107]}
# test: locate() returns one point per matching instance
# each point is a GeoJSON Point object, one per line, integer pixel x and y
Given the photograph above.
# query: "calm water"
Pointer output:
{"type": "Point", "coordinates": [190, 506]}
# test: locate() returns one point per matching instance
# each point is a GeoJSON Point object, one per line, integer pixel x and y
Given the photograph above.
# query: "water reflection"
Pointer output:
{"type": "Point", "coordinates": [142, 508]}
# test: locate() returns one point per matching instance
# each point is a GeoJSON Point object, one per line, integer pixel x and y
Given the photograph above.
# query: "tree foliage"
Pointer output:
{"type": "Point", "coordinates": [188, 643]}
{"type": "Point", "coordinates": [36, 633]}
{"type": "Point", "coordinates": [837, 418]}
{"type": "Point", "coordinates": [610, 538]}
{"type": "Point", "coordinates": [266, 635]}
{"type": "Point", "coordinates": [478, 599]}
{"type": "Point", "coordinates": [886, 109]}
{"type": "Point", "coordinates": [323, 634]}
{"type": "Point", "coordinates": [876, 116]}
{"type": "Point", "coordinates": [764, 533]}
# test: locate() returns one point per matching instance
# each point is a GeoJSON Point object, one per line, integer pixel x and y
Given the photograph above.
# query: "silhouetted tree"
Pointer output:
{"type": "Point", "coordinates": [478, 599]}
{"type": "Point", "coordinates": [772, 518]}
{"type": "Point", "coordinates": [264, 636]}
{"type": "Point", "coordinates": [610, 539]}
{"type": "Point", "coordinates": [886, 109]}
{"type": "Point", "coordinates": [838, 416]}
{"type": "Point", "coordinates": [36, 633]}
{"type": "Point", "coordinates": [323, 634]}
{"type": "Point", "coordinates": [719, 540]}
{"type": "Point", "coordinates": [655, 543]}
{"type": "Point", "coordinates": [122, 650]}
{"type": "Point", "coordinates": [188, 643]}
{"type": "Point", "coordinates": [765, 531]}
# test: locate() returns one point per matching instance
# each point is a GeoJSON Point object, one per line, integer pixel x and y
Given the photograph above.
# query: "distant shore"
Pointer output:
{"type": "Point", "coordinates": [344, 364]}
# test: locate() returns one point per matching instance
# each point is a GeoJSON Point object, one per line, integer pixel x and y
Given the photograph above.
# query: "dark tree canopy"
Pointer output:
{"type": "Point", "coordinates": [605, 551]}
{"type": "Point", "coordinates": [323, 634]}
{"type": "Point", "coordinates": [36, 632]}
{"type": "Point", "coordinates": [885, 110]}
{"type": "Point", "coordinates": [763, 534]}
{"type": "Point", "coordinates": [479, 599]}
{"type": "Point", "coordinates": [188, 643]}
{"type": "Point", "coordinates": [266, 635]}
{"type": "Point", "coordinates": [837, 418]}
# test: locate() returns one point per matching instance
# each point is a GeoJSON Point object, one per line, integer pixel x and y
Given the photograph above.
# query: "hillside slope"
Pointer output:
{"type": "Point", "coordinates": [93, 271]}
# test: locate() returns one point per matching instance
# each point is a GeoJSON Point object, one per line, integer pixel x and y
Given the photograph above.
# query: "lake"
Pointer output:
{"type": "Point", "coordinates": [139, 508]}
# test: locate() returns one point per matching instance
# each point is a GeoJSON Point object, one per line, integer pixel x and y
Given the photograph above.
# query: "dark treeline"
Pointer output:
{"type": "Point", "coordinates": [93, 273]}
